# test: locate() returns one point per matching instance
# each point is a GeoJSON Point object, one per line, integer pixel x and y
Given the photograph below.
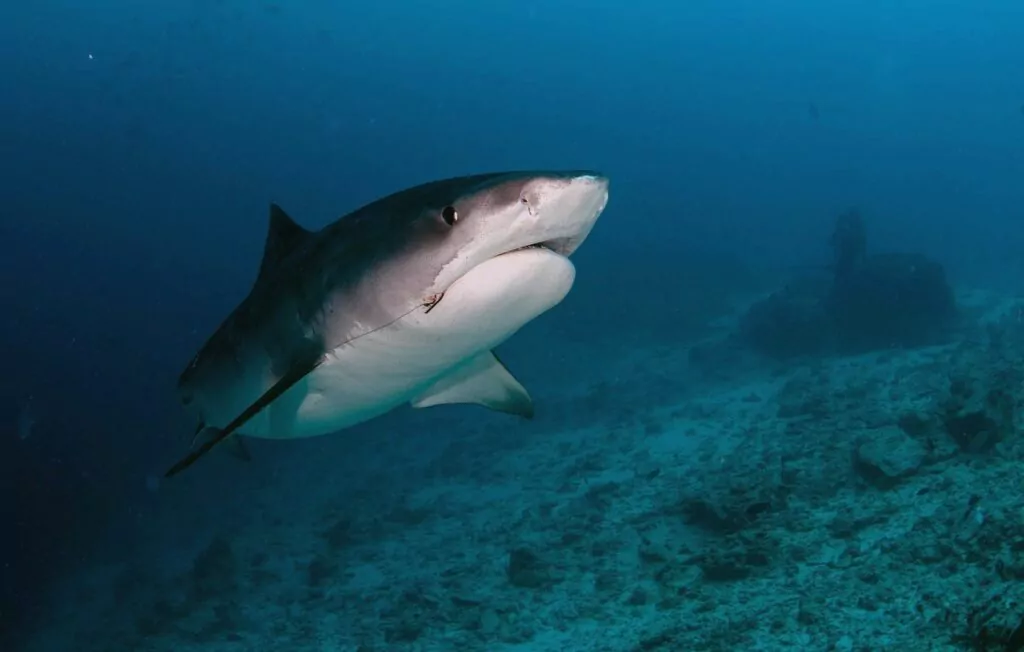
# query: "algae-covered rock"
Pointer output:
{"type": "Point", "coordinates": [791, 322]}
{"type": "Point", "coordinates": [892, 300]}
{"type": "Point", "coordinates": [887, 456]}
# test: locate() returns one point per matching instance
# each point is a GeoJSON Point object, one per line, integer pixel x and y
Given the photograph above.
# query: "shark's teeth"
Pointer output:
{"type": "Point", "coordinates": [531, 246]}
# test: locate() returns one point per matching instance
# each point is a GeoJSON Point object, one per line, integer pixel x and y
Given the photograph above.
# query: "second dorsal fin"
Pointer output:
{"type": "Point", "coordinates": [283, 236]}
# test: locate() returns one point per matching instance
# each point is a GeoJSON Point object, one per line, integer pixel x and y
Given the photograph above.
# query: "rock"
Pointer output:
{"type": "Point", "coordinates": [973, 432]}
{"type": "Point", "coordinates": [866, 303]}
{"type": "Point", "coordinates": [214, 570]}
{"type": "Point", "coordinates": [637, 598]}
{"type": "Point", "coordinates": [789, 323]}
{"type": "Point", "coordinates": [888, 456]}
{"type": "Point", "coordinates": [892, 300]}
{"type": "Point", "coordinates": [527, 570]}
{"type": "Point", "coordinates": [981, 412]}
{"type": "Point", "coordinates": [489, 622]}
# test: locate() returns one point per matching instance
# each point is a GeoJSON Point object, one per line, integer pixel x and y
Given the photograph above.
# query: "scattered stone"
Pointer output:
{"type": "Point", "coordinates": [637, 598]}
{"type": "Point", "coordinates": [888, 456]}
{"type": "Point", "coordinates": [214, 570]}
{"type": "Point", "coordinates": [490, 622]}
{"type": "Point", "coordinates": [526, 570]}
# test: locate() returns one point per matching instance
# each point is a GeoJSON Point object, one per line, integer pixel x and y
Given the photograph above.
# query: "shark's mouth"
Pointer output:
{"type": "Point", "coordinates": [561, 246]}
{"type": "Point", "coordinates": [515, 262]}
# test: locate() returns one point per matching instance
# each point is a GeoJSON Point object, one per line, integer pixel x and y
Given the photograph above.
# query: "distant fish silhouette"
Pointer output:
{"type": "Point", "coordinates": [812, 111]}
{"type": "Point", "coordinates": [26, 420]}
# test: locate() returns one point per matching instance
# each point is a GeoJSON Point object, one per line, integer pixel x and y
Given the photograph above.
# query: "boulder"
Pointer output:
{"type": "Point", "coordinates": [789, 323]}
{"type": "Point", "coordinates": [887, 456]}
{"type": "Point", "coordinates": [891, 300]}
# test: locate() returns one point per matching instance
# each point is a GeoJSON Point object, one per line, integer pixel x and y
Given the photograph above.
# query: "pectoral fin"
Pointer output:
{"type": "Point", "coordinates": [485, 381]}
{"type": "Point", "coordinates": [234, 444]}
{"type": "Point", "coordinates": [213, 436]}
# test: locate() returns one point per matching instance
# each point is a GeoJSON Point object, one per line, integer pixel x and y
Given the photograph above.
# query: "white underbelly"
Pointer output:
{"type": "Point", "coordinates": [395, 365]}
{"type": "Point", "coordinates": [358, 382]}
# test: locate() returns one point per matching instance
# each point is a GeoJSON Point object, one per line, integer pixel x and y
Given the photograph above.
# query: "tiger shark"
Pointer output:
{"type": "Point", "coordinates": [399, 302]}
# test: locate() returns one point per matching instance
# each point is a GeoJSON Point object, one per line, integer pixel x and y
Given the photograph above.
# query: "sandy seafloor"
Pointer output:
{"type": "Point", "coordinates": [743, 505]}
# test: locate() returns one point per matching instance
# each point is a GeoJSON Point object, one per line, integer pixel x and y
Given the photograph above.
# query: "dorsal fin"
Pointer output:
{"type": "Point", "coordinates": [283, 236]}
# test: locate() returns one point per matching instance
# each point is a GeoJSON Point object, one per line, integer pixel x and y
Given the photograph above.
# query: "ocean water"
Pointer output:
{"type": "Point", "coordinates": [780, 409]}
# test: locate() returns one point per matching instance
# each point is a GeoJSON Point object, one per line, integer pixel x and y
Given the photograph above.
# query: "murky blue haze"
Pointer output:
{"type": "Point", "coordinates": [140, 145]}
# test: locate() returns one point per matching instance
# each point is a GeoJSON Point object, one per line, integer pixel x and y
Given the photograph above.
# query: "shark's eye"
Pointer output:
{"type": "Point", "coordinates": [449, 215]}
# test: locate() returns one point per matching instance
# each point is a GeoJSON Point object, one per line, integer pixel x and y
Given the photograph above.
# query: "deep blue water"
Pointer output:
{"type": "Point", "coordinates": [140, 144]}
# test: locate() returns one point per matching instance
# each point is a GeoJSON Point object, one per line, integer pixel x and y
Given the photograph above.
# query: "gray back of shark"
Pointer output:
{"type": "Point", "coordinates": [399, 302]}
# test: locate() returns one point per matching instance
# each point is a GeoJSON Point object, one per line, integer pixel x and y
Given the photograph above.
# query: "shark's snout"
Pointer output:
{"type": "Point", "coordinates": [571, 205]}
{"type": "Point", "coordinates": [597, 183]}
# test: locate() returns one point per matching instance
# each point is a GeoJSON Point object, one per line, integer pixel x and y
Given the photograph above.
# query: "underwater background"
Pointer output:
{"type": "Point", "coordinates": [736, 447]}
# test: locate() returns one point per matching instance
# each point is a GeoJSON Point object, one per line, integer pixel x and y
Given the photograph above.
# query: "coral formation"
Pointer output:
{"type": "Point", "coordinates": [871, 302]}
